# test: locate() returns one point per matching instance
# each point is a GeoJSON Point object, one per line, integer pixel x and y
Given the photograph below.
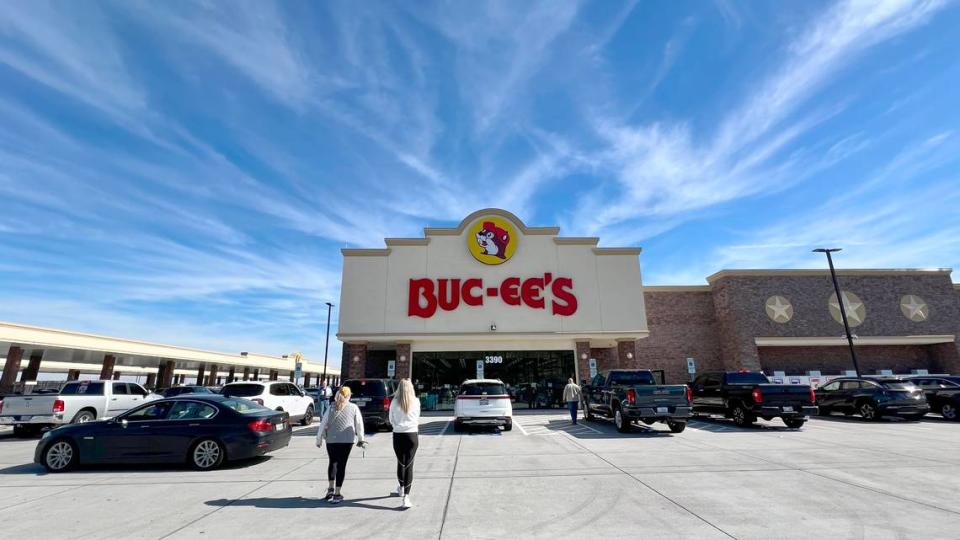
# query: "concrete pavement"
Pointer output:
{"type": "Point", "coordinates": [837, 478]}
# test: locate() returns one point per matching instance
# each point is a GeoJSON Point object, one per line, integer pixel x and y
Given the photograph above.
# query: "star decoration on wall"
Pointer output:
{"type": "Point", "coordinates": [914, 308]}
{"type": "Point", "coordinates": [779, 309]}
{"type": "Point", "coordinates": [856, 311]}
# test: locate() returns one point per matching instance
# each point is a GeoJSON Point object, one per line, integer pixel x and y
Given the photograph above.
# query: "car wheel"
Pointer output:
{"type": "Point", "coordinates": [307, 416]}
{"type": "Point", "coordinates": [948, 411]}
{"type": "Point", "coordinates": [622, 423]}
{"type": "Point", "coordinates": [587, 415]}
{"type": "Point", "coordinates": [207, 454]}
{"type": "Point", "coordinates": [868, 411]}
{"type": "Point", "coordinates": [794, 423]}
{"type": "Point", "coordinates": [508, 426]}
{"type": "Point", "coordinates": [676, 427]}
{"type": "Point", "coordinates": [61, 455]}
{"type": "Point", "coordinates": [83, 417]}
{"type": "Point", "coordinates": [741, 417]}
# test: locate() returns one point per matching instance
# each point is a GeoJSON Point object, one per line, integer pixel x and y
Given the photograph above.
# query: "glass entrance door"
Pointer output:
{"type": "Point", "coordinates": [535, 379]}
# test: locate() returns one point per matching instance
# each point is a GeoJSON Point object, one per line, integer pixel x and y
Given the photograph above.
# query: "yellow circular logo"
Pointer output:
{"type": "Point", "coordinates": [492, 240]}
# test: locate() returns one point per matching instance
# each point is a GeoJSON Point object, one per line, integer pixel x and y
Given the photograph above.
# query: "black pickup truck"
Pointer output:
{"type": "Point", "coordinates": [744, 396]}
{"type": "Point", "coordinates": [628, 395]}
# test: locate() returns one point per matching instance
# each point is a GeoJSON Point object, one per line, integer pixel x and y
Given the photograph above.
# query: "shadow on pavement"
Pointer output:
{"type": "Point", "coordinates": [38, 470]}
{"type": "Point", "coordinates": [723, 425]}
{"type": "Point", "coordinates": [603, 429]}
{"type": "Point", "coordinates": [844, 419]}
{"type": "Point", "coordinates": [303, 502]}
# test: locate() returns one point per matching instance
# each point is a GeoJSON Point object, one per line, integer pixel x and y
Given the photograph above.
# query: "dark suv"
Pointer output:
{"type": "Point", "coordinates": [943, 393]}
{"type": "Point", "coordinates": [373, 397]}
{"type": "Point", "coordinates": [872, 398]}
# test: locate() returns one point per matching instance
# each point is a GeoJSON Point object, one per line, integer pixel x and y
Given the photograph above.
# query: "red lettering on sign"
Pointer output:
{"type": "Point", "coordinates": [426, 295]}
{"type": "Point", "coordinates": [510, 291]}
{"type": "Point", "coordinates": [421, 289]}
{"type": "Point", "coordinates": [469, 298]}
{"type": "Point", "coordinates": [531, 292]}
{"type": "Point", "coordinates": [562, 290]}
{"type": "Point", "coordinates": [449, 296]}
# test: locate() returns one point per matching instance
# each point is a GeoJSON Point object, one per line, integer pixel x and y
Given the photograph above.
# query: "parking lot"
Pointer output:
{"type": "Point", "coordinates": [837, 478]}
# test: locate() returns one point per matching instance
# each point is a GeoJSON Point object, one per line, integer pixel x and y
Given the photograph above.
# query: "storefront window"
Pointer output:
{"type": "Point", "coordinates": [534, 379]}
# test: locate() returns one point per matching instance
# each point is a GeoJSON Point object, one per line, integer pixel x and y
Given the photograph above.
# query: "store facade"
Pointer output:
{"type": "Point", "coordinates": [489, 298]}
{"type": "Point", "coordinates": [495, 298]}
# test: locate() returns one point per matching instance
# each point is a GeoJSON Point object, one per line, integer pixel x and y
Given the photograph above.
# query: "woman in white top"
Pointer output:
{"type": "Point", "coordinates": [405, 419]}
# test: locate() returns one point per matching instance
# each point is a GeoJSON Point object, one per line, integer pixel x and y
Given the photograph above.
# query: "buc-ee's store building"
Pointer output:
{"type": "Point", "coordinates": [495, 298]}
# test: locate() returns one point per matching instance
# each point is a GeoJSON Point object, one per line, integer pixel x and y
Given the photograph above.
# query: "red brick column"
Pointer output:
{"type": "Point", "coordinates": [274, 374]}
{"type": "Point", "coordinates": [165, 379]}
{"type": "Point", "coordinates": [116, 375]}
{"type": "Point", "coordinates": [626, 353]}
{"type": "Point", "coordinates": [404, 361]}
{"type": "Point", "coordinates": [73, 374]}
{"type": "Point", "coordinates": [106, 372]}
{"type": "Point", "coordinates": [230, 374]}
{"type": "Point", "coordinates": [946, 357]}
{"type": "Point", "coordinates": [355, 358]}
{"type": "Point", "coordinates": [583, 361]}
{"type": "Point", "coordinates": [200, 371]}
{"type": "Point", "coordinates": [33, 368]}
{"type": "Point", "coordinates": [151, 381]}
{"type": "Point", "coordinates": [212, 377]}
{"type": "Point", "coordinates": [246, 373]}
{"type": "Point", "coordinates": [11, 368]}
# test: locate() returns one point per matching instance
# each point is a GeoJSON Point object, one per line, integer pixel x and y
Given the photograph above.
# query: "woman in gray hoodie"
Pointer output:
{"type": "Point", "coordinates": [341, 427]}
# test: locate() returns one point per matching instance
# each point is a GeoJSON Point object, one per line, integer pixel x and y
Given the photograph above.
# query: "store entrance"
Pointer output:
{"type": "Point", "coordinates": [535, 379]}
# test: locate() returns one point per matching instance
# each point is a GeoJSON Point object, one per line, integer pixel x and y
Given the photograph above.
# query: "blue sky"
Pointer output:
{"type": "Point", "coordinates": [187, 172]}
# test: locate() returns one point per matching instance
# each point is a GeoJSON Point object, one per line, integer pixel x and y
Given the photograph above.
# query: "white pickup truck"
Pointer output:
{"type": "Point", "coordinates": [77, 402]}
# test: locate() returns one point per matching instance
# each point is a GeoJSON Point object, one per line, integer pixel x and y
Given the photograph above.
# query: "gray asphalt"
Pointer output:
{"type": "Point", "coordinates": [836, 478]}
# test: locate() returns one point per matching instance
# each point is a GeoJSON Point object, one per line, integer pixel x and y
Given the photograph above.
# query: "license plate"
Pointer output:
{"type": "Point", "coordinates": [23, 418]}
{"type": "Point", "coordinates": [788, 409]}
{"type": "Point", "coordinates": [484, 402]}
{"type": "Point", "coordinates": [662, 409]}
{"type": "Point", "coordinates": [279, 427]}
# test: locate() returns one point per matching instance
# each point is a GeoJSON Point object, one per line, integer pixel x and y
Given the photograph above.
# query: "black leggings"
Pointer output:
{"type": "Point", "coordinates": [405, 447]}
{"type": "Point", "coordinates": [338, 453]}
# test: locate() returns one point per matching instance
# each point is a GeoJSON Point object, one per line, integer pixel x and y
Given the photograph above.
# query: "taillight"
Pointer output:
{"type": "Point", "coordinates": [689, 395]}
{"type": "Point", "coordinates": [813, 396]}
{"type": "Point", "coordinates": [757, 396]}
{"type": "Point", "coordinates": [386, 403]}
{"type": "Point", "coordinates": [58, 406]}
{"type": "Point", "coordinates": [258, 401]}
{"type": "Point", "coordinates": [1, 405]}
{"type": "Point", "coordinates": [260, 426]}
{"type": "Point", "coordinates": [632, 396]}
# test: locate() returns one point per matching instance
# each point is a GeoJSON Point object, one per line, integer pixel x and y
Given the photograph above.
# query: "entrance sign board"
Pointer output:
{"type": "Point", "coordinates": [479, 369]}
{"type": "Point", "coordinates": [593, 367]}
{"type": "Point", "coordinates": [391, 368]}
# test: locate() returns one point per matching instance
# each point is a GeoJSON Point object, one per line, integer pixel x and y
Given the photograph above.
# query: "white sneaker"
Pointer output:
{"type": "Point", "coordinates": [397, 492]}
{"type": "Point", "coordinates": [406, 502]}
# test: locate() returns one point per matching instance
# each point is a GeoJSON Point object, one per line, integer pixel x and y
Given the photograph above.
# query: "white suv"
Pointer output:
{"type": "Point", "coordinates": [483, 402]}
{"type": "Point", "coordinates": [276, 395]}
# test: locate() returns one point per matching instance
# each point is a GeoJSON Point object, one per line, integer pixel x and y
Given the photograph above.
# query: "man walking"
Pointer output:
{"type": "Point", "coordinates": [571, 394]}
{"type": "Point", "coordinates": [323, 401]}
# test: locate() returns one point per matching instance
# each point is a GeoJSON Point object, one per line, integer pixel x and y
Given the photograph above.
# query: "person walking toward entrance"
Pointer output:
{"type": "Point", "coordinates": [405, 419]}
{"type": "Point", "coordinates": [341, 427]}
{"type": "Point", "coordinates": [323, 400]}
{"type": "Point", "coordinates": [571, 394]}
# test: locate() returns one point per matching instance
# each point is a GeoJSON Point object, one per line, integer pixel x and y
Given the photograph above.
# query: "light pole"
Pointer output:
{"type": "Point", "coordinates": [843, 311]}
{"type": "Point", "coordinates": [326, 348]}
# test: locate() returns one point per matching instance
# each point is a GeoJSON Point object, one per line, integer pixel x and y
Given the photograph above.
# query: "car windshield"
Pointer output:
{"type": "Point", "coordinates": [747, 378]}
{"type": "Point", "coordinates": [367, 388]}
{"type": "Point", "coordinates": [82, 389]}
{"type": "Point", "coordinates": [631, 377]}
{"type": "Point", "coordinates": [243, 406]}
{"type": "Point", "coordinates": [242, 390]}
{"type": "Point", "coordinates": [478, 389]}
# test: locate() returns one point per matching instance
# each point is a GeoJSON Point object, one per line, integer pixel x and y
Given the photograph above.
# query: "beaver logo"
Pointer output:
{"type": "Point", "coordinates": [491, 240]}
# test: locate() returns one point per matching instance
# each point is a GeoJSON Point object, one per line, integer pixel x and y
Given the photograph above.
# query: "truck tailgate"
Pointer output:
{"type": "Point", "coordinates": [28, 405]}
{"type": "Point", "coordinates": [790, 394]}
{"type": "Point", "coordinates": [673, 394]}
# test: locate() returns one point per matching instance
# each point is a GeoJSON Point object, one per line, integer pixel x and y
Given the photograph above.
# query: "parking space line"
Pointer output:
{"type": "Point", "coordinates": [520, 425]}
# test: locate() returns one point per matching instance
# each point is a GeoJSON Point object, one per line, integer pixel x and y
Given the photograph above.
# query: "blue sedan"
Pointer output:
{"type": "Point", "coordinates": [203, 431]}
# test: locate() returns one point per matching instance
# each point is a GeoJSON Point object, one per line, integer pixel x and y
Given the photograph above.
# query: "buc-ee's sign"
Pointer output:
{"type": "Point", "coordinates": [492, 240]}
{"type": "Point", "coordinates": [427, 295]}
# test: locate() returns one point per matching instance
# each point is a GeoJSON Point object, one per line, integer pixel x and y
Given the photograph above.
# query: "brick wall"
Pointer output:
{"type": "Point", "coordinates": [682, 325]}
{"type": "Point", "coordinates": [836, 360]}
